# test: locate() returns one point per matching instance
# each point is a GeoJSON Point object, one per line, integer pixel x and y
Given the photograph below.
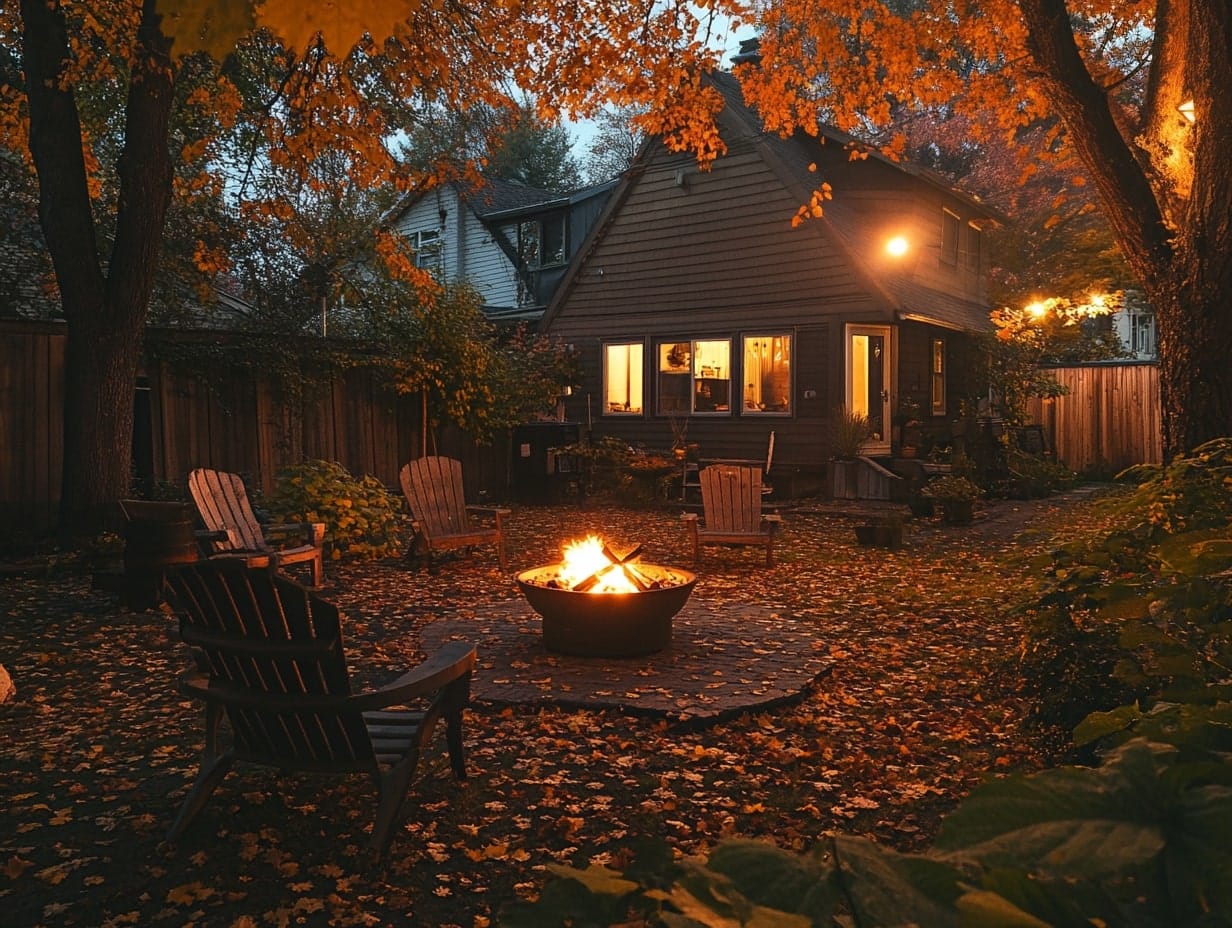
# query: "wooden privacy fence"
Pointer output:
{"type": "Point", "coordinates": [1109, 419]}
{"type": "Point", "coordinates": [245, 426]}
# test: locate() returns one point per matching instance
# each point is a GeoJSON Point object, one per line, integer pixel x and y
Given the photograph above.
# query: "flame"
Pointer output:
{"type": "Point", "coordinates": [585, 558]}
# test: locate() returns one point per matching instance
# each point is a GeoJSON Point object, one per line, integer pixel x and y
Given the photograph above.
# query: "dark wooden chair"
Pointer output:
{"type": "Point", "coordinates": [732, 511]}
{"type": "Point", "coordinates": [232, 528]}
{"type": "Point", "coordinates": [434, 491]}
{"type": "Point", "coordinates": [270, 659]}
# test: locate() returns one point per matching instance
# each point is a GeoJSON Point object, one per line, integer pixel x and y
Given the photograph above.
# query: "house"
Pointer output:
{"type": "Point", "coordinates": [696, 298]}
{"type": "Point", "coordinates": [512, 243]}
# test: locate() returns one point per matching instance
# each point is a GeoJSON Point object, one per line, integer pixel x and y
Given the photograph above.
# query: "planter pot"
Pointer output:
{"type": "Point", "coordinates": [957, 511]}
{"type": "Point", "coordinates": [922, 507]}
{"type": "Point", "coordinates": [845, 479]}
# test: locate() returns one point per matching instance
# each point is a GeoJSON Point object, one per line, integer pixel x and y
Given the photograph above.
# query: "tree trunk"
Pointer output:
{"type": "Point", "coordinates": [105, 315]}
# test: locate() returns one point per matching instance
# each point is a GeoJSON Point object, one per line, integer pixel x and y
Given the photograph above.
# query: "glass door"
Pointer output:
{"type": "Point", "coordinates": [868, 381]}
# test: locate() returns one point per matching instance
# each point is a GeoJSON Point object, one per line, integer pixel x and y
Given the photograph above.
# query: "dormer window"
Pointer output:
{"type": "Point", "coordinates": [541, 241]}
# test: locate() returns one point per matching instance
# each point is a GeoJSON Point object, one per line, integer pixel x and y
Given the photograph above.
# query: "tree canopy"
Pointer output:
{"type": "Point", "coordinates": [129, 108]}
{"type": "Point", "coordinates": [1101, 84]}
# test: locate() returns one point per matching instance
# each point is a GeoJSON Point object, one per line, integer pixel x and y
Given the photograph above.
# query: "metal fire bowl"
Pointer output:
{"type": "Point", "coordinates": [607, 624]}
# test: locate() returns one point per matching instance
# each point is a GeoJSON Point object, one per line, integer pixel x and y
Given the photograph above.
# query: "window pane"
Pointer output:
{"type": "Point", "coordinates": [937, 378]}
{"type": "Point", "coordinates": [767, 374]}
{"type": "Point", "coordinates": [949, 237]}
{"type": "Point", "coordinates": [427, 245]}
{"type": "Point", "coordinates": [712, 376]}
{"type": "Point", "coordinates": [553, 241]}
{"type": "Point", "coordinates": [622, 379]}
{"type": "Point", "coordinates": [974, 244]}
{"type": "Point", "coordinates": [675, 360]}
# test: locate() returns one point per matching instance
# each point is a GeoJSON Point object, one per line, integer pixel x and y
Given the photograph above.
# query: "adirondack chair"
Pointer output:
{"type": "Point", "coordinates": [232, 529]}
{"type": "Point", "coordinates": [433, 489]}
{"type": "Point", "coordinates": [731, 506]}
{"type": "Point", "coordinates": [269, 658]}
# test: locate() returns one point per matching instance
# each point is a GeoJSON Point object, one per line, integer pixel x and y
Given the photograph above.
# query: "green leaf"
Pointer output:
{"type": "Point", "coordinates": [888, 888]}
{"type": "Point", "coordinates": [982, 909]}
{"type": "Point", "coordinates": [1101, 724]}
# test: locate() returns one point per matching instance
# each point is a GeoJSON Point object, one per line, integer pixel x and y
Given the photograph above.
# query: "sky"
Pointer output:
{"type": "Point", "coordinates": [726, 37]}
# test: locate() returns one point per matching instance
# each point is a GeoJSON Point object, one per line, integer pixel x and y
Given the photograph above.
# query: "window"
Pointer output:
{"type": "Point", "coordinates": [950, 227]}
{"type": "Point", "coordinates": [622, 378]}
{"type": "Point", "coordinates": [427, 246]}
{"type": "Point", "coordinates": [975, 243]}
{"type": "Point", "coordinates": [766, 371]}
{"type": "Point", "coordinates": [541, 242]}
{"type": "Point", "coordinates": [936, 390]}
{"type": "Point", "coordinates": [694, 377]}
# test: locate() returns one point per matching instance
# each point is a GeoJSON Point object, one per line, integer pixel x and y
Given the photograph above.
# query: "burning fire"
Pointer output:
{"type": "Point", "coordinates": [586, 559]}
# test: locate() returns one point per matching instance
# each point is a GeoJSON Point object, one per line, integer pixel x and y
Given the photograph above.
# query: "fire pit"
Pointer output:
{"type": "Point", "coordinates": [596, 604]}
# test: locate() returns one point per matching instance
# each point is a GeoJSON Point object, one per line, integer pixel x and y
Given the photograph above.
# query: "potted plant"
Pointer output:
{"type": "Point", "coordinates": [957, 496]}
{"type": "Point", "coordinates": [909, 432]}
{"type": "Point", "coordinates": [851, 430]}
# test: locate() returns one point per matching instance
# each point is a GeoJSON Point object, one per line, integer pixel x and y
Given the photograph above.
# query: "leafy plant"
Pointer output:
{"type": "Point", "coordinates": [951, 486]}
{"type": "Point", "coordinates": [851, 430]}
{"type": "Point", "coordinates": [1137, 841]}
{"type": "Point", "coordinates": [361, 517]}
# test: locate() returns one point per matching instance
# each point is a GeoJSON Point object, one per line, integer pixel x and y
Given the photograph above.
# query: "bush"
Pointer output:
{"type": "Point", "coordinates": [361, 517]}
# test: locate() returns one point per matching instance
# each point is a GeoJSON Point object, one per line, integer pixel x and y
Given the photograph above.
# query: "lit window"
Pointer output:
{"type": "Point", "coordinates": [427, 246]}
{"type": "Point", "coordinates": [936, 391]}
{"type": "Point", "coordinates": [950, 227]}
{"type": "Point", "coordinates": [767, 374]}
{"type": "Point", "coordinates": [694, 377]}
{"type": "Point", "coordinates": [622, 378]}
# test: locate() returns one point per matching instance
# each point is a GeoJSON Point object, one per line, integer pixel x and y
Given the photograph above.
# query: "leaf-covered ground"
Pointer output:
{"type": "Point", "coordinates": [920, 702]}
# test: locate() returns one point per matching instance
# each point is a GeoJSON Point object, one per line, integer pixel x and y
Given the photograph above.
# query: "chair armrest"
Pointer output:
{"type": "Point", "coordinates": [688, 517]}
{"type": "Point", "coordinates": [452, 662]}
{"type": "Point", "coordinates": [772, 517]}
{"type": "Point", "coordinates": [204, 534]}
{"type": "Point", "coordinates": [313, 532]}
{"type": "Point", "coordinates": [489, 510]}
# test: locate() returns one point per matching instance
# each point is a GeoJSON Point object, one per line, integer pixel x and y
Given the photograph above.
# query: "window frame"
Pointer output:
{"type": "Point", "coordinates": [937, 377]}
{"type": "Point", "coordinates": [423, 247]}
{"type": "Point", "coordinates": [606, 409]}
{"type": "Point", "coordinates": [691, 367]}
{"type": "Point", "coordinates": [951, 232]}
{"type": "Point", "coordinates": [746, 377]}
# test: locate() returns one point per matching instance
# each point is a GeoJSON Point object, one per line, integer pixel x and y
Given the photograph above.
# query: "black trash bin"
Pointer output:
{"type": "Point", "coordinates": [539, 476]}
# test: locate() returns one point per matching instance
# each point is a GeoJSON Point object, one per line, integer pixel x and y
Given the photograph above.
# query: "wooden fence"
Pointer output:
{"type": "Point", "coordinates": [182, 423]}
{"type": "Point", "coordinates": [1109, 419]}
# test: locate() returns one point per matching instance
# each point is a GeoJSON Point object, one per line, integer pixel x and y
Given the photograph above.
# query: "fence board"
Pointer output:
{"type": "Point", "coordinates": [1109, 420]}
{"type": "Point", "coordinates": [248, 427]}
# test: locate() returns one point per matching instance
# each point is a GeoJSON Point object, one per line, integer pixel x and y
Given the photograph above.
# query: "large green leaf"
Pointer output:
{"type": "Point", "coordinates": [770, 876]}
{"type": "Point", "coordinates": [888, 888]}
{"type": "Point", "coordinates": [1101, 724]}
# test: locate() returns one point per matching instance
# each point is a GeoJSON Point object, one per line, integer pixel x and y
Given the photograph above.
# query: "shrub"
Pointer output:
{"type": "Point", "coordinates": [361, 517]}
{"type": "Point", "coordinates": [951, 486]}
{"type": "Point", "coordinates": [851, 430]}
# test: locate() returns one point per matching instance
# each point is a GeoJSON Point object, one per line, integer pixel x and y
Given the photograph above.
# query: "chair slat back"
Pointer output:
{"type": "Point", "coordinates": [433, 486]}
{"type": "Point", "coordinates": [223, 503]}
{"type": "Point", "coordinates": [731, 498]}
{"type": "Point", "coordinates": [275, 657]}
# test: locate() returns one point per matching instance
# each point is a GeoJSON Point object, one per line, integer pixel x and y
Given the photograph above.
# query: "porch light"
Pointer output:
{"type": "Point", "coordinates": [1186, 109]}
{"type": "Point", "coordinates": [897, 246]}
{"type": "Point", "coordinates": [1037, 309]}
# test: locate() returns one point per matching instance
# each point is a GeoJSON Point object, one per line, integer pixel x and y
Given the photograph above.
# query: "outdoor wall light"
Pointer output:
{"type": "Point", "coordinates": [897, 246]}
{"type": "Point", "coordinates": [1186, 109]}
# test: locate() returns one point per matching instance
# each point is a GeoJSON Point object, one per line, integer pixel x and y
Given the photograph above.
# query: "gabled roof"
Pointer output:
{"type": "Point", "coordinates": [790, 160]}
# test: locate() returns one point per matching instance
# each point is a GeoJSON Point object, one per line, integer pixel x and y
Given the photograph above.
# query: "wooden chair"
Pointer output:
{"type": "Point", "coordinates": [433, 490]}
{"type": "Point", "coordinates": [732, 510]}
{"type": "Point", "coordinates": [232, 529]}
{"type": "Point", "coordinates": [270, 659]}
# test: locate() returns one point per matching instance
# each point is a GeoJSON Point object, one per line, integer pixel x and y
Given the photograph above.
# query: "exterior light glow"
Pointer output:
{"type": "Point", "coordinates": [897, 246]}
{"type": "Point", "coordinates": [1037, 309]}
{"type": "Point", "coordinates": [1186, 109]}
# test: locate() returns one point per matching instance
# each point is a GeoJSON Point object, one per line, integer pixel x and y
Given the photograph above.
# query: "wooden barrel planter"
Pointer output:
{"type": "Point", "coordinates": [157, 535]}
